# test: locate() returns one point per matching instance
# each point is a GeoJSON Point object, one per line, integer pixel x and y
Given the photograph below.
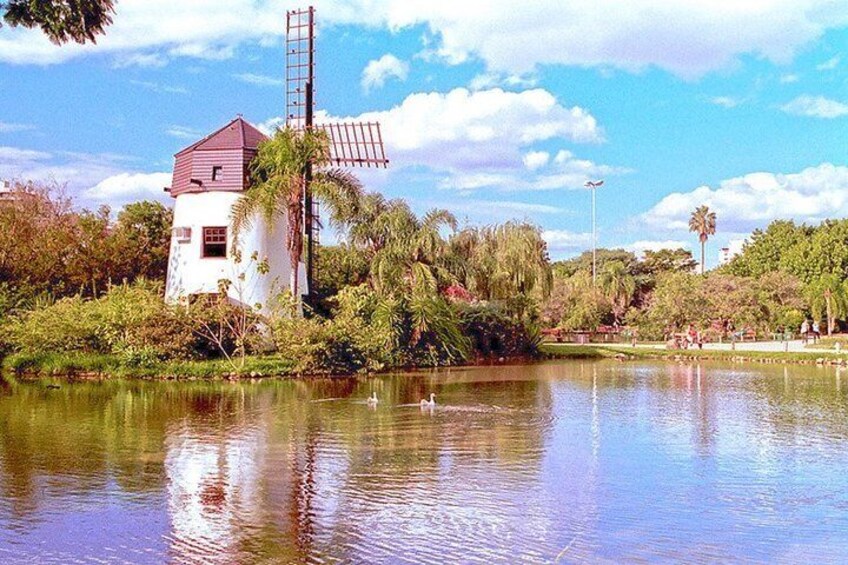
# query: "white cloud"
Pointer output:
{"type": "Point", "coordinates": [751, 201]}
{"type": "Point", "coordinates": [469, 140]}
{"type": "Point", "coordinates": [484, 127]}
{"type": "Point", "coordinates": [816, 107]}
{"type": "Point", "coordinates": [378, 71]}
{"type": "Point", "coordinates": [76, 169]}
{"type": "Point", "coordinates": [685, 37]}
{"type": "Point", "coordinates": [789, 79]}
{"type": "Point", "coordinates": [485, 211]}
{"type": "Point", "coordinates": [725, 101]}
{"type": "Point", "coordinates": [828, 65]}
{"type": "Point", "coordinates": [564, 242]}
{"type": "Point", "coordinates": [183, 132]}
{"type": "Point", "coordinates": [486, 81]}
{"type": "Point", "coordinates": [159, 88]}
{"type": "Point", "coordinates": [536, 159]}
{"type": "Point", "coordinates": [9, 156]}
{"type": "Point", "coordinates": [6, 127]}
{"type": "Point", "coordinates": [123, 188]}
{"type": "Point", "coordinates": [259, 80]}
{"type": "Point", "coordinates": [151, 60]}
{"type": "Point", "coordinates": [639, 247]}
{"type": "Point", "coordinates": [93, 178]}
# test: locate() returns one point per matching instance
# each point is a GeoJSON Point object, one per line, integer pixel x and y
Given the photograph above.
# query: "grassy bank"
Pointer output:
{"type": "Point", "coordinates": [569, 351]}
{"type": "Point", "coordinates": [103, 366]}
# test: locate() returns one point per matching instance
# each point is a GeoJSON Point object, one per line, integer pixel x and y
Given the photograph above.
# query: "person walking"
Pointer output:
{"type": "Point", "coordinates": [805, 329]}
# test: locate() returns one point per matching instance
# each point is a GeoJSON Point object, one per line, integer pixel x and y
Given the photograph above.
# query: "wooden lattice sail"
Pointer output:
{"type": "Point", "coordinates": [351, 144]}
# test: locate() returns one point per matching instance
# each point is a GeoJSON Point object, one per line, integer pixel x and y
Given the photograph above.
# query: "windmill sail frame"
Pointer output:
{"type": "Point", "coordinates": [351, 144]}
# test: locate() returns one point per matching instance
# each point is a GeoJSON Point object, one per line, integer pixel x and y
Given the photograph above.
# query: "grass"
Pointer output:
{"type": "Point", "coordinates": [90, 364]}
{"type": "Point", "coordinates": [829, 343]}
{"type": "Point", "coordinates": [569, 351]}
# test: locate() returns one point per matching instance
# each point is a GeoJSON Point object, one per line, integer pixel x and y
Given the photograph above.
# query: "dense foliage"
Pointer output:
{"type": "Point", "coordinates": [61, 20]}
{"type": "Point", "coordinates": [49, 247]}
{"type": "Point", "coordinates": [661, 294]}
{"type": "Point", "coordinates": [400, 290]}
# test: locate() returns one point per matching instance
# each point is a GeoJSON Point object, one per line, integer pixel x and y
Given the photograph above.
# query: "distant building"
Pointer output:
{"type": "Point", "coordinates": [209, 177]}
{"type": "Point", "coordinates": [734, 248]}
{"type": "Point", "coordinates": [6, 192]}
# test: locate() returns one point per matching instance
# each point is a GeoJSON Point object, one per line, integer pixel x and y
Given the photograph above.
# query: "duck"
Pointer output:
{"type": "Point", "coordinates": [430, 403]}
{"type": "Point", "coordinates": [373, 400]}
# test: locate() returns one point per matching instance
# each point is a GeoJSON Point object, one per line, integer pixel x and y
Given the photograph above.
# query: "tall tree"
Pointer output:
{"type": "Point", "coordinates": [278, 175]}
{"type": "Point", "coordinates": [61, 20]}
{"type": "Point", "coordinates": [703, 222]}
{"type": "Point", "coordinates": [503, 261]}
{"type": "Point", "coordinates": [828, 295]}
{"type": "Point", "coordinates": [618, 286]}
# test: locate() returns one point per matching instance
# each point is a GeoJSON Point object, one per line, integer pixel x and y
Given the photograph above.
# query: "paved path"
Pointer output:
{"type": "Point", "coordinates": [795, 345]}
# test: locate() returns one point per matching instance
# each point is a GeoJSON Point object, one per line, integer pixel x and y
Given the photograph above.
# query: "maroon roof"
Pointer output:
{"type": "Point", "coordinates": [231, 148]}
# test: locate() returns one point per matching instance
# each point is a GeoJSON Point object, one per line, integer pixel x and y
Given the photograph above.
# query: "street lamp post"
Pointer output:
{"type": "Point", "coordinates": [592, 185]}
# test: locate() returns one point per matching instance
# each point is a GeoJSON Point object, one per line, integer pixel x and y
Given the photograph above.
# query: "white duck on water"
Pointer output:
{"type": "Point", "coordinates": [428, 403]}
{"type": "Point", "coordinates": [372, 400]}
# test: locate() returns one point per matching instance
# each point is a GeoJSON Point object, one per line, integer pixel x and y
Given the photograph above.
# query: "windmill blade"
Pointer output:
{"type": "Point", "coordinates": [355, 144]}
{"type": "Point", "coordinates": [300, 66]}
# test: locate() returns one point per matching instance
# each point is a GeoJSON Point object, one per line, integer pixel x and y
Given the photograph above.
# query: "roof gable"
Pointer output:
{"type": "Point", "coordinates": [238, 134]}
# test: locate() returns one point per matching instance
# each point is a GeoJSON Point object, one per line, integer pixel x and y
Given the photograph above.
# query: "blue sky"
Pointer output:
{"type": "Point", "coordinates": [494, 110]}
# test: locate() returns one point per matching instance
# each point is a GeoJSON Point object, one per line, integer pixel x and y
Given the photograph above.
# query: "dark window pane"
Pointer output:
{"type": "Point", "coordinates": [215, 242]}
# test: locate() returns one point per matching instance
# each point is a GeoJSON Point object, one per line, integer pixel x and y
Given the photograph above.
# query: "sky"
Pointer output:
{"type": "Point", "coordinates": [495, 110]}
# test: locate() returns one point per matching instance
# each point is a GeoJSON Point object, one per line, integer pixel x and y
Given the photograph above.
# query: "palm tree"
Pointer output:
{"type": "Point", "coordinates": [703, 222]}
{"type": "Point", "coordinates": [278, 175]}
{"type": "Point", "coordinates": [619, 286]}
{"type": "Point", "coordinates": [829, 296]}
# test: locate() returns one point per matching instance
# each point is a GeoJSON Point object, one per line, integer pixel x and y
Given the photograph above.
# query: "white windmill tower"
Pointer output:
{"type": "Point", "coordinates": [210, 175]}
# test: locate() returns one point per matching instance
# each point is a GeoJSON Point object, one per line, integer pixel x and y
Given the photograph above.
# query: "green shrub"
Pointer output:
{"type": "Point", "coordinates": [420, 330]}
{"type": "Point", "coordinates": [495, 334]}
{"type": "Point", "coordinates": [129, 320]}
{"type": "Point", "coordinates": [320, 346]}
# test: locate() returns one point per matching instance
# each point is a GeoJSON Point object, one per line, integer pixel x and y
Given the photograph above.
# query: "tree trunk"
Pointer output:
{"type": "Point", "coordinates": [703, 251]}
{"type": "Point", "coordinates": [829, 315]}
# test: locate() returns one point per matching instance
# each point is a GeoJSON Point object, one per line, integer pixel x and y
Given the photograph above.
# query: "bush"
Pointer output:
{"type": "Point", "coordinates": [320, 346]}
{"type": "Point", "coordinates": [371, 332]}
{"type": "Point", "coordinates": [495, 334]}
{"type": "Point", "coordinates": [130, 320]}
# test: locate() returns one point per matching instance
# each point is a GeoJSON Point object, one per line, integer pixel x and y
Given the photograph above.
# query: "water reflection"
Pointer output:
{"type": "Point", "coordinates": [561, 461]}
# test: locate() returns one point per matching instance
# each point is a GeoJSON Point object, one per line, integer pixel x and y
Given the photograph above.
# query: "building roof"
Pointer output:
{"type": "Point", "coordinates": [218, 162]}
{"type": "Point", "coordinates": [238, 134]}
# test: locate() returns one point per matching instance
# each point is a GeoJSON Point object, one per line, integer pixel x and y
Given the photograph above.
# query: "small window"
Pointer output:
{"type": "Point", "coordinates": [182, 235]}
{"type": "Point", "coordinates": [214, 242]}
{"type": "Point", "coordinates": [217, 173]}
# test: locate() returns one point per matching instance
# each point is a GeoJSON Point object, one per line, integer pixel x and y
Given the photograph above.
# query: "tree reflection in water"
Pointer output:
{"type": "Point", "coordinates": [536, 462]}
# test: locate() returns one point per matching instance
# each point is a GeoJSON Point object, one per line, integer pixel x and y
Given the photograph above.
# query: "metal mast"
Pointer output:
{"type": "Point", "coordinates": [351, 144]}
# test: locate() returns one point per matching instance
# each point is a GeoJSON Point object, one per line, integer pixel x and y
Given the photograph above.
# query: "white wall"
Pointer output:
{"type": "Point", "coordinates": [190, 273]}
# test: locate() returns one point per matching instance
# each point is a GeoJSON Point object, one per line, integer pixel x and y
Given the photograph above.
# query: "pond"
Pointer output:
{"type": "Point", "coordinates": [553, 462]}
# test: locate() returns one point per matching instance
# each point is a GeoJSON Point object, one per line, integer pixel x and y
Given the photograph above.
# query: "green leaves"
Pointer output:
{"type": "Point", "coordinates": [61, 20]}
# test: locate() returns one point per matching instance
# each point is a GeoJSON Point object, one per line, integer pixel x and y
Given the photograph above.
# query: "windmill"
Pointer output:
{"type": "Point", "coordinates": [351, 144]}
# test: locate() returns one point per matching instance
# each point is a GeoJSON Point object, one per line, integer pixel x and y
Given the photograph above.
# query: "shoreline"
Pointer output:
{"type": "Point", "coordinates": [84, 366]}
{"type": "Point", "coordinates": [87, 366]}
{"type": "Point", "coordinates": [628, 352]}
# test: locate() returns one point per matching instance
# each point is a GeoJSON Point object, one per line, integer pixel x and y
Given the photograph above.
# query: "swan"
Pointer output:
{"type": "Point", "coordinates": [372, 400]}
{"type": "Point", "coordinates": [430, 403]}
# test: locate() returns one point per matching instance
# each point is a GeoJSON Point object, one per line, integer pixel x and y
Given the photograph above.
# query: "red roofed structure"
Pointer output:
{"type": "Point", "coordinates": [218, 162]}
